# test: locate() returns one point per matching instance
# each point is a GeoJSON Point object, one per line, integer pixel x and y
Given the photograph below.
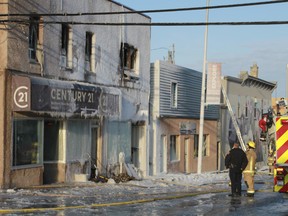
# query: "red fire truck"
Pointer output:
{"type": "Point", "coordinates": [281, 160]}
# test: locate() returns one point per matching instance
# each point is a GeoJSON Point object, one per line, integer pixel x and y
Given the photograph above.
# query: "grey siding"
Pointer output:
{"type": "Point", "coordinates": [189, 92]}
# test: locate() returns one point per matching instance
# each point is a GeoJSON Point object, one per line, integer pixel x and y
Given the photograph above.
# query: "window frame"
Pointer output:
{"type": "Point", "coordinates": [205, 147]}
{"type": "Point", "coordinates": [39, 152]}
{"type": "Point", "coordinates": [66, 46]}
{"type": "Point", "coordinates": [33, 37]}
{"type": "Point", "coordinates": [128, 57]}
{"type": "Point", "coordinates": [90, 52]}
{"type": "Point", "coordinates": [174, 94]}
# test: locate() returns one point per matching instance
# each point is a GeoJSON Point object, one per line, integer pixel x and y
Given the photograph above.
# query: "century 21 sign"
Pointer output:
{"type": "Point", "coordinates": [21, 93]}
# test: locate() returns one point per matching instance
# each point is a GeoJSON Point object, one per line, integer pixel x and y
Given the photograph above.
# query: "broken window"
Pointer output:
{"type": "Point", "coordinates": [174, 92]}
{"type": "Point", "coordinates": [174, 148]}
{"type": "Point", "coordinates": [88, 51]}
{"type": "Point", "coordinates": [66, 46]}
{"type": "Point", "coordinates": [128, 55]}
{"type": "Point", "coordinates": [33, 37]}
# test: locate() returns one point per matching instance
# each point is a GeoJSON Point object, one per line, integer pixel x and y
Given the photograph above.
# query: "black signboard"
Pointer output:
{"type": "Point", "coordinates": [50, 95]}
{"type": "Point", "coordinates": [60, 96]}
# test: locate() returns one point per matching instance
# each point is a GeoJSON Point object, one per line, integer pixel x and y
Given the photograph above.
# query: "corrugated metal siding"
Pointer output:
{"type": "Point", "coordinates": [189, 92]}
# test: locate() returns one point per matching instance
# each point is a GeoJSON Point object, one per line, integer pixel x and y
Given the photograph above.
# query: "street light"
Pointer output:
{"type": "Point", "coordinates": [203, 88]}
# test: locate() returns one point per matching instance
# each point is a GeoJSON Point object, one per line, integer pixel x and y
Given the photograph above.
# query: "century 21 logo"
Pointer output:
{"type": "Point", "coordinates": [20, 97]}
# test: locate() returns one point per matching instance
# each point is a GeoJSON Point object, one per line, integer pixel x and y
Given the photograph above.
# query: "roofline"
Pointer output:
{"type": "Point", "coordinates": [251, 80]}
{"type": "Point", "coordinates": [128, 8]}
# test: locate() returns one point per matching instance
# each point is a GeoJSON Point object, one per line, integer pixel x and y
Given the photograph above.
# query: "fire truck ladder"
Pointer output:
{"type": "Point", "coordinates": [233, 119]}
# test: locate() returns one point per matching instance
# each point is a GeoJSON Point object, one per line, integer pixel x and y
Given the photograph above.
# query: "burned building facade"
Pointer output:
{"type": "Point", "coordinates": [71, 94]}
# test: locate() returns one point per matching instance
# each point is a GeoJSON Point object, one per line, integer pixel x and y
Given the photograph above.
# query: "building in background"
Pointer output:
{"type": "Point", "coordinates": [250, 98]}
{"type": "Point", "coordinates": [175, 112]}
{"type": "Point", "coordinates": [69, 92]}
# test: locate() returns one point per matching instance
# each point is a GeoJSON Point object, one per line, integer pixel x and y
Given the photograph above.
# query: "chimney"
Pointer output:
{"type": "Point", "coordinates": [243, 74]}
{"type": "Point", "coordinates": [254, 70]}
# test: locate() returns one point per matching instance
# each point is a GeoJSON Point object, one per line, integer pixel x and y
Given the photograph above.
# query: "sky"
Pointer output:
{"type": "Point", "coordinates": [237, 48]}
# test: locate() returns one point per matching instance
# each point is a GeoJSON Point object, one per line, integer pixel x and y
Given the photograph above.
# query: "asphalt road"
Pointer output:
{"type": "Point", "coordinates": [158, 198]}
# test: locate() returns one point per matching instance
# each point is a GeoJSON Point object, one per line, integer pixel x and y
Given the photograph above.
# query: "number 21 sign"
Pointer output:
{"type": "Point", "coordinates": [21, 93]}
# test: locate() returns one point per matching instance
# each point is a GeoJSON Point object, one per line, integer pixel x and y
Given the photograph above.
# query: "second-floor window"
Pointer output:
{"type": "Point", "coordinates": [174, 93]}
{"type": "Point", "coordinates": [89, 52]}
{"type": "Point", "coordinates": [33, 37]}
{"type": "Point", "coordinates": [128, 55]}
{"type": "Point", "coordinates": [66, 46]}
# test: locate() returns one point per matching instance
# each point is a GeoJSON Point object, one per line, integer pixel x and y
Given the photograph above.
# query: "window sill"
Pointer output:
{"type": "Point", "coordinates": [175, 161]}
{"type": "Point", "coordinates": [68, 69]}
{"type": "Point", "coordinates": [130, 75]}
{"type": "Point", "coordinates": [90, 74]}
{"type": "Point", "coordinates": [34, 62]}
{"type": "Point", "coordinates": [28, 166]}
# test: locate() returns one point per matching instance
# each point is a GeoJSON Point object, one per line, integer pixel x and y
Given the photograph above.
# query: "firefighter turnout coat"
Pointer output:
{"type": "Point", "coordinates": [249, 171]}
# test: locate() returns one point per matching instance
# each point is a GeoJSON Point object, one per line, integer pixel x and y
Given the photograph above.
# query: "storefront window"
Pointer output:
{"type": "Point", "coordinates": [27, 142]}
{"type": "Point", "coordinates": [78, 140]}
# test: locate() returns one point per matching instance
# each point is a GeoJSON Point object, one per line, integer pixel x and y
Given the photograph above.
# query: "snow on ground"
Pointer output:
{"type": "Point", "coordinates": [194, 179]}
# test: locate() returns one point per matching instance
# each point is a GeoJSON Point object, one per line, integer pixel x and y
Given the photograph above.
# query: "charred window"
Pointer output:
{"type": "Point", "coordinates": [64, 39]}
{"type": "Point", "coordinates": [88, 51]}
{"type": "Point", "coordinates": [33, 37]}
{"type": "Point", "coordinates": [66, 46]}
{"type": "Point", "coordinates": [128, 56]}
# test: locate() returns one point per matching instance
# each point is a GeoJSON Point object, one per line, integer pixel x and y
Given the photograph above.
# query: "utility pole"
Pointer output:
{"type": "Point", "coordinates": [202, 106]}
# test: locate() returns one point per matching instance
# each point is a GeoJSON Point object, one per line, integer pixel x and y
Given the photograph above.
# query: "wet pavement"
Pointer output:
{"type": "Point", "coordinates": [147, 197]}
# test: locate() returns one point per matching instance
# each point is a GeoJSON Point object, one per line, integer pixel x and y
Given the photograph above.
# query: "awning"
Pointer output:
{"type": "Point", "coordinates": [69, 97]}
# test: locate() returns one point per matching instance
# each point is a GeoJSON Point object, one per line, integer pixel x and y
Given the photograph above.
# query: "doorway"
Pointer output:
{"type": "Point", "coordinates": [186, 155]}
{"type": "Point", "coordinates": [94, 147]}
{"type": "Point", "coordinates": [53, 152]}
{"type": "Point", "coordinates": [163, 154]}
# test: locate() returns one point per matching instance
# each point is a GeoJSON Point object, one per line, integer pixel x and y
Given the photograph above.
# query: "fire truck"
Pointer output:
{"type": "Point", "coordinates": [278, 142]}
{"type": "Point", "coordinates": [281, 157]}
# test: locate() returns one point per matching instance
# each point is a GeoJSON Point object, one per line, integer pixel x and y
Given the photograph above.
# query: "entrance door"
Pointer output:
{"type": "Point", "coordinates": [53, 152]}
{"type": "Point", "coordinates": [138, 140]}
{"type": "Point", "coordinates": [94, 136]}
{"type": "Point", "coordinates": [163, 154]}
{"type": "Point", "coordinates": [186, 156]}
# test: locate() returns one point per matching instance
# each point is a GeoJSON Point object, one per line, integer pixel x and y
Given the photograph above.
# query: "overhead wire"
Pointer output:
{"type": "Point", "coordinates": [148, 11]}
{"type": "Point", "coordinates": [26, 22]}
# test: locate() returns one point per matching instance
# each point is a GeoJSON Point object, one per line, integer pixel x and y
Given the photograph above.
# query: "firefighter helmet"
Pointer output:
{"type": "Point", "coordinates": [251, 144]}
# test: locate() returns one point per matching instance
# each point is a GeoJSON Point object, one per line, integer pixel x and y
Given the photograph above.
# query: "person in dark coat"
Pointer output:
{"type": "Point", "coordinates": [236, 161]}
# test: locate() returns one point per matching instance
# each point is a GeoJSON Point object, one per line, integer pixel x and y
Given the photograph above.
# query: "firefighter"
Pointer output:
{"type": "Point", "coordinates": [236, 161]}
{"type": "Point", "coordinates": [249, 171]}
{"type": "Point", "coordinates": [271, 162]}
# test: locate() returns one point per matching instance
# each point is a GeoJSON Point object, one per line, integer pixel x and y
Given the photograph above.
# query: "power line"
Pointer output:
{"type": "Point", "coordinates": [149, 11]}
{"type": "Point", "coordinates": [25, 22]}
